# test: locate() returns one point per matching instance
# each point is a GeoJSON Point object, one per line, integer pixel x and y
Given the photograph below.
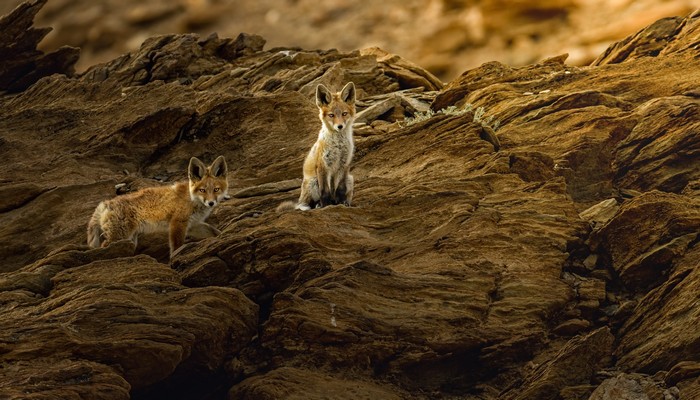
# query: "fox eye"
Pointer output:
{"type": "Point", "coordinates": [216, 190]}
{"type": "Point", "coordinates": [331, 115]}
{"type": "Point", "coordinates": [345, 114]}
{"type": "Point", "coordinates": [202, 190]}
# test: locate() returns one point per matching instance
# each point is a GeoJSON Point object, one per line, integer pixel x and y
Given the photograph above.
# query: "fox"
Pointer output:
{"type": "Point", "coordinates": [176, 209]}
{"type": "Point", "coordinates": [327, 179]}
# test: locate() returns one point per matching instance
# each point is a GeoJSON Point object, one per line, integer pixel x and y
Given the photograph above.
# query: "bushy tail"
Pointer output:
{"type": "Point", "coordinates": [94, 229]}
{"type": "Point", "coordinates": [286, 206]}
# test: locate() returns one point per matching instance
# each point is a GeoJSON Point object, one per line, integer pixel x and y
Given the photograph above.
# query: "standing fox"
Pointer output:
{"type": "Point", "coordinates": [327, 178]}
{"type": "Point", "coordinates": [176, 208]}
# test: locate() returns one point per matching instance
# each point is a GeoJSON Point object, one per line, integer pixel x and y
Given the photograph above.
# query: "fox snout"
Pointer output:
{"type": "Point", "coordinates": [208, 185]}
{"type": "Point", "coordinates": [339, 122]}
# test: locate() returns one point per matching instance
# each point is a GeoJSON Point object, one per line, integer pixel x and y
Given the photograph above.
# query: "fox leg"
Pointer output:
{"type": "Point", "coordinates": [343, 194]}
{"type": "Point", "coordinates": [177, 233]}
{"type": "Point", "coordinates": [349, 189]}
{"type": "Point", "coordinates": [201, 230]}
{"type": "Point", "coordinates": [310, 194]}
{"type": "Point", "coordinates": [115, 229]}
{"type": "Point", "coordinates": [325, 187]}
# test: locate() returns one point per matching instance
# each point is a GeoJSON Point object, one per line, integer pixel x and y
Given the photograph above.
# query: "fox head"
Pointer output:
{"type": "Point", "coordinates": [336, 110]}
{"type": "Point", "coordinates": [208, 185]}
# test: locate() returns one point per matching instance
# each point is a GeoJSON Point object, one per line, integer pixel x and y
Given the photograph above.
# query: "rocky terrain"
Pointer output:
{"type": "Point", "coordinates": [518, 233]}
{"type": "Point", "coordinates": [446, 37]}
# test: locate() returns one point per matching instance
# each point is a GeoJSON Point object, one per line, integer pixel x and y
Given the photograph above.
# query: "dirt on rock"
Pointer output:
{"type": "Point", "coordinates": [518, 233]}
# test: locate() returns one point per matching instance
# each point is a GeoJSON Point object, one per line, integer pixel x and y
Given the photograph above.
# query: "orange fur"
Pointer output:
{"type": "Point", "coordinates": [327, 178]}
{"type": "Point", "coordinates": [175, 208]}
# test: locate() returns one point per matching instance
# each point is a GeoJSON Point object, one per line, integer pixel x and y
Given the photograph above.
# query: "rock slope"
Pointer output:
{"type": "Point", "coordinates": [519, 233]}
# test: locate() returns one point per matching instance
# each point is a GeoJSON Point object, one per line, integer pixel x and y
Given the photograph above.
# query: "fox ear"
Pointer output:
{"type": "Point", "coordinates": [323, 96]}
{"type": "Point", "coordinates": [218, 168]}
{"type": "Point", "coordinates": [348, 93]}
{"type": "Point", "coordinates": [196, 170]}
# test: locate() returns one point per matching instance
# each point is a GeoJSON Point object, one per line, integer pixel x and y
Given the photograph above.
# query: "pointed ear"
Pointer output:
{"type": "Point", "coordinates": [348, 93]}
{"type": "Point", "coordinates": [196, 170]}
{"type": "Point", "coordinates": [218, 168]}
{"type": "Point", "coordinates": [323, 96]}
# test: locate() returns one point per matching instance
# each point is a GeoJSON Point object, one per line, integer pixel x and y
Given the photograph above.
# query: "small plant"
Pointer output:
{"type": "Point", "coordinates": [454, 110]}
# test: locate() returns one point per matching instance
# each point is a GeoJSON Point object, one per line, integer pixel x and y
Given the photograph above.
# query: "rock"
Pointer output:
{"type": "Point", "coordinates": [296, 383]}
{"type": "Point", "coordinates": [62, 378]}
{"type": "Point", "coordinates": [650, 41]}
{"type": "Point", "coordinates": [580, 392]}
{"type": "Point", "coordinates": [575, 363]}
{"type": "Point", "coordinates": [646, 159]}
{"type": "Point", "coordinates": [682, 371]}
{"type": "Point", "coordinates": [268, 188]}
{"type": "Point", "coordinates": [451, 276]}
{"type": "Point", "coordinates": [628, 387]}
{"type": "Point", "coordinates": [667, 318]}
{"type": "Point", "coordinates": [591, 289]}
{"type": "Point", "coordinates": [445, 36]}
{"type": "Point", "coordinates": [689, 389]}
{"type": "Point", "coordinates": [571, 327]}
{"type": "Point", "coordinates": [22, 64]}
{"type": "Point", "coordinates": [120, 320]}
{"type": "Point", "coordinates": [601, 212]}
{"type": "Point", "coordinates": [665, 225]}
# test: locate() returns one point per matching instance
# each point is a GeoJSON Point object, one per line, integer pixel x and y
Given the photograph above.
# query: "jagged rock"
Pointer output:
{"type": "Point", "coordinates": [665, 226]}
{"type": "Point", "coordinates": [662, 330]}
{"type": "Point", "coordinates": [629, 387]}
{"type": "Point", "coordinates": [57, 378]}
{"type": "Point", "coordinates": [295, 383]}
{"type": "Point", "coordinates": [571, 327]}
{"type": "Point", "coordinates": [575, 363]}
{"type": "Point", "coordinates": [684, 370]}
{"type": "Point", "coordinates": [601, 212]}
{"type": "Point", "coordinates": [689, 389]}
{"type": "Point", "coordinates": [451, 275]}
{"type": "Point", "coordinates": [21, 63]}
{"type": "Point", "coordinates": [125, 317]}
{"type": "Point", "coordinates": [664, 35]}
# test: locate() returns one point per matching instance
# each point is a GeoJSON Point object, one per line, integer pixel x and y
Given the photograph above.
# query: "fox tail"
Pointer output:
{"type": "Point", "coordinates": [94, 229]}
{"type": "Point", "coordinates": [286, 206]}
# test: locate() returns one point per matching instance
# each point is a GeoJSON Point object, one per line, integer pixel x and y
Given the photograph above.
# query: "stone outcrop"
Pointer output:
{"type": "Point", "coordinates": [22, 63]}
{"type": "Point", "coordinates": [446, 37]}
{"type": "Point", "coordinates": [522, 232]}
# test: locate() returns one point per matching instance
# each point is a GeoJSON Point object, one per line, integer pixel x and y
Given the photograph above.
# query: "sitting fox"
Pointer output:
{"type": "Point", "coordinates": [176, 208]}
{"type": "Point", "coordinates": [327, 178]}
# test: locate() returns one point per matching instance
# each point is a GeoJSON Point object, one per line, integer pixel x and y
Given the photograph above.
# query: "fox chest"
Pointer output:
{"type": "Point", "coordinates": [336, 154]}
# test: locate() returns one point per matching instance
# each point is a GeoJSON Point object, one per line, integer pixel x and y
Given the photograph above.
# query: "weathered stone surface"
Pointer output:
{"type": "Point", "coordinates": [661, 151]}
{"type": "Point", "coordinates": [682, 371]}
{"type": "Point", "coordinates": [670, 34]}
{"type": "Point", "coordinates": [575, 363]}
{"type": "Point", "coordinates": [122, 317]}
{"type": "Point", "coordinates": [59, 378]}
{"type": "Point", "coordinates": [444, 36]}
{"type": "Point", "coordinates": [21, 63]}
{"type": "Point", "coordinates": [630, 387]}
{"type": "Point", "coordinates": [462, 269]}
{"type": "Point", "coordinates": [302, 384]}
{"type": "Point", "coordinates": [601, 212]}
{"type": "Point", "coordinates": [689, 389]}
{"type": "Point", "coordinates": [665, 226]}
{"type": "Point", "coordinates": [663, 329]}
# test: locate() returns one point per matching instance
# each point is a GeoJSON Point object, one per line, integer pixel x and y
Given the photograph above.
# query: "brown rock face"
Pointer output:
{"type": "Point", "coordinates": [444, 36]}
{"type": "Point", "coordinates": [22, 63]}
{"type": "Point", "coordinates": [521, 233]}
